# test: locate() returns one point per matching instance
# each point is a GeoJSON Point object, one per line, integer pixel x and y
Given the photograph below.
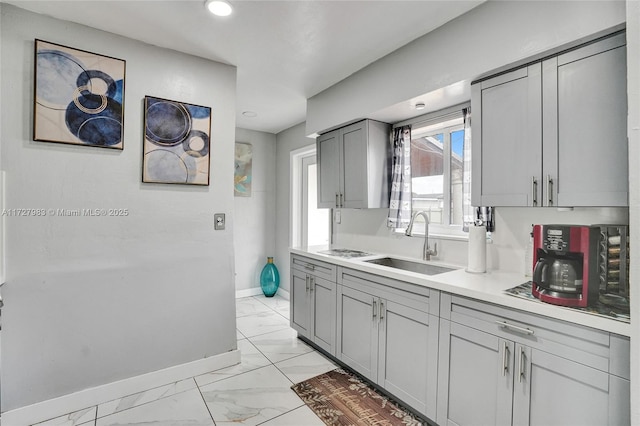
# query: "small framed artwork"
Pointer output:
{"type": "Point", "coordinates": [79, 97]}
{"type": "Point", "coordinates": [242, 172]}
{"type": "Point", "coordinates": [176, 142]}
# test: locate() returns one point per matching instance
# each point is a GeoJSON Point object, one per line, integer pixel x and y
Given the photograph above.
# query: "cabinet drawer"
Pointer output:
{"type": "Point", "coordinates": [581, 344]}
{"type": "Point", "coordinates": [411, 295]}
{"type": "Point", "coordinates": [314, 267]}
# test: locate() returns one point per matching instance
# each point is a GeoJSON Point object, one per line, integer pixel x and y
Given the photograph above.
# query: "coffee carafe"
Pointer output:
{"type": "Point", "coordinates": [559, 274]}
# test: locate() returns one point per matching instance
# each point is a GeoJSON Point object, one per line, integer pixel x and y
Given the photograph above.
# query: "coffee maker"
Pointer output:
{"type": "Point", "coordinates": [565, 268]}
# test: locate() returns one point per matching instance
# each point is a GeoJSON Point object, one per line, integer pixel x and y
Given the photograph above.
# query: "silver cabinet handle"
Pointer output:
{"type": "Point", "coordinates": [549, 189]}
{"type": "Point", "coordinates": [373, 307]}
{"type": "Point", "coordinates": [306, 283]}
{"type": "Point", "coordinates": [515, 328]}
{"type": "Point", "coordinates": [522, 361]}
{"type": "Point", "coordinates": [337, 201]}
{"type": "Point", "coordinates": [310, 267]}
{"type": "Point", "coordinates": [505, 360]}
{"type": "Point", "coordinates": [341, 199]}
{"type": "Point", "coordinates": [312, 283]}
{"type": "Point", "coordinates": [534, 190]}
{"type": "Point", "coordinates": [381, 310]}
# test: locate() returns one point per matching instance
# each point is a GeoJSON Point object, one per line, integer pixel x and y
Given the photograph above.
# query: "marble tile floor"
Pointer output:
{"type": "Point", "coordinates": [255, 392]}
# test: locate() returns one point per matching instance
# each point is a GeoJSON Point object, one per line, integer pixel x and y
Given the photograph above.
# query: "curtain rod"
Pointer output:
{"type": "Point", "coordinates": [439, 115]}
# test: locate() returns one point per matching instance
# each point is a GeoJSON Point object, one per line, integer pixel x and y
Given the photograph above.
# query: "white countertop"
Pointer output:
{"type": "Point", "coordinates": [488, 287]}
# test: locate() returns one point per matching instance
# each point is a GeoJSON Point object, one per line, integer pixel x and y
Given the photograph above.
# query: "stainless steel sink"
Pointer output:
{"type": "Point", "coordinates": [407, 265]}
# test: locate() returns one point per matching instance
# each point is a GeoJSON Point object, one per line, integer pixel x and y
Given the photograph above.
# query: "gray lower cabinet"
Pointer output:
{"type": "Point", "coordinates": [503, 367]}
{"type": "Point", "coordinates": [313, 301]}
{"type": "Point", "coordinates": [388, 336]}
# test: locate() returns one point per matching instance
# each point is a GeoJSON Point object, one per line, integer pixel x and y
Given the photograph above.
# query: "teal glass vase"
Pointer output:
{"type": "Point", "coordinates": [269, 278]}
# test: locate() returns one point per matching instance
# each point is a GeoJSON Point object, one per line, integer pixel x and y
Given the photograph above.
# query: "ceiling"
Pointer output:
{"type": "Point", "coordinates": [284, 51]}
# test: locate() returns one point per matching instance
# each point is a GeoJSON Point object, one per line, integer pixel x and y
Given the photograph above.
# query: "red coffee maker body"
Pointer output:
{"type": "Point", "coordinates": [565, 268]}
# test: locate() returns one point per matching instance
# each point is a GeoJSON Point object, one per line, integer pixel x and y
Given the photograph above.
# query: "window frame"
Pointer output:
{"type": "Point", "coordinates": [438, 120]}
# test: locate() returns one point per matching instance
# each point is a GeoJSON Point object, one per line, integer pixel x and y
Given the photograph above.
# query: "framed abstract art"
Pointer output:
{"type": "Point", "coordinates": [176, 142]}
{"type": "Point", "coordinates": [79, 97]}
{"type": "Point", "coordinates": [242, 174]}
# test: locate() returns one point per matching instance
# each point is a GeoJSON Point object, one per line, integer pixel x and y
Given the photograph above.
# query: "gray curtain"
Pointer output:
{"type": "Point", "coordinates": [400, 200]}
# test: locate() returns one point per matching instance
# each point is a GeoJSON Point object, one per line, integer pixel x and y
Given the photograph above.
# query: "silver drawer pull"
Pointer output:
{"type": "Point", "coordinates": [310, 266]}
{"type": "Point", "coordinates": [505, 359]}
{"type": "Point", "coordinates": [522, 361]}
{"type": "Point", "coordinates": [515, 328]}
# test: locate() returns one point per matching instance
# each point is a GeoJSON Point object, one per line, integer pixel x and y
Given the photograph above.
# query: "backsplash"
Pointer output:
{"type": "Point", "coordinates": [367, 230]}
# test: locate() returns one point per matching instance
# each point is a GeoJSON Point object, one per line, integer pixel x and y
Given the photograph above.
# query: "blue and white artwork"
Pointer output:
{"type": "Point", "coordinates": [79, 97]}
{"type": "Point", "coordinates": [176, 142]}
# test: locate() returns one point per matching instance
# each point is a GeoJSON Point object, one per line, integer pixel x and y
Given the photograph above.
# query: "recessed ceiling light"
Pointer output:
{"type": "Point", "coordinates": [219, 7]}
{"type": "Point", "coordinates": [420, 105]}
{"type": "Point", "coordinates": [250, 114]}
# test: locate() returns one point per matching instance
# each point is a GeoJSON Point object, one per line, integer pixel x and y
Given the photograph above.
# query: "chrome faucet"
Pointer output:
{"type": "Point", "coordinates": [426, 250]}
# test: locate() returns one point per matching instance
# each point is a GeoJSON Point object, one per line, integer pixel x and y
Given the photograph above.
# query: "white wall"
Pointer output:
{"type": "Point", "coordinates": [489, 36]}
{"type": "Point", "coordinates": [93, 300]}
{"type": "Point", "coordinates": [287, 141]}
{"type": "Point", "coordinates": [367, 230]}
{"type": "Point", "coordinates": [633, 93]}
{"type": "Point", "coordinates": [255, 216]}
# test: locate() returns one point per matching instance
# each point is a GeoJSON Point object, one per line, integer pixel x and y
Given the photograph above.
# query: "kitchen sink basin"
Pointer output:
{"type": "Point", "coordinates": [407, 265]}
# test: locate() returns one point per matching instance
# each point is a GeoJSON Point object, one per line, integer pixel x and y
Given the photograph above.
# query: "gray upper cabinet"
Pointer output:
{"type": "Point", "coordinates": [354, 165]}
{"type": "Point", "coordinates": [585, 126]}
{"type": "Point", "coordinates": [507, 139]}
{"type": "Point", "coordinates": [554, 133]}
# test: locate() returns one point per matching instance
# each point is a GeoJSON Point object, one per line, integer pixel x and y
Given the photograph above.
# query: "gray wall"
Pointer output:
{"type": "Point", "coordinates": [90, 300]}
{"type": "Point", "coordinates": [489, 36]}
{"type": "Point", "coordinates": [287, 141]}
{"type": "Point", "coordinates": [255, 217]}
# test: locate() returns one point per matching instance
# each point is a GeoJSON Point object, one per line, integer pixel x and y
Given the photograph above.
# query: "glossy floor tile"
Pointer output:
{"type": "Point", "coordinates": [251, 398]}
{"type": "Point", "coordinates": [280, 345]}
{"type": "Point", "coordinates": [257, 391]}
{"type": "Point", "coordinates": [305, 366]}
{"type": "Point", "coordinates": [261, 323]}
{"type": "Point", "coordinates": [185, 408]}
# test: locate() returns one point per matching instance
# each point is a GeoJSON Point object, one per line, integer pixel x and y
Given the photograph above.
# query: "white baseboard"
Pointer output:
{"type": "Point", "coordinates": [256, 291]}
{"type": "Point", "coordinates": [56, 407]}
{"type": "Point", "coordinates": [248, 292]}
{"type": "Point", "coordinates": [284, 294]}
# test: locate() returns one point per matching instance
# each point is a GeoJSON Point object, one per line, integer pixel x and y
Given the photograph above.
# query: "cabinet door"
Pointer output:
{"type": "Point", "coordinates": [354, 165]}
{"type": "Point", "coordinates": [585, 126]}
{"type": "Point", "coordinates": [323, 296]}
{"type": "Point", "coordinates": [408, 355]}
{"type": "Point", "coordinates": [507, 139]}
{"type": "Point", "coordinates": [475, 377]}
{"type": "Point", "coordinates": [328, 151]}
{"type": "Point", "coordinates": [550, 390]}
{"type": "Point", "coordinates": [300, 306]}
{"type": "Point", "coordinates": [357, 344]}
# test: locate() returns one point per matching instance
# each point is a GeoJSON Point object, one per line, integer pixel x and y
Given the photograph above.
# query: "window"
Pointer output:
{"type": "Point", "coordinates": [439, 170]}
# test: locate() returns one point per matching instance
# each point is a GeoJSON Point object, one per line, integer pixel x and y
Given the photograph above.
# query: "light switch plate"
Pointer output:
{"type": "Point", "coordinates": [338, 216]}
{"type": "Point", "coordinates": [218, 221]}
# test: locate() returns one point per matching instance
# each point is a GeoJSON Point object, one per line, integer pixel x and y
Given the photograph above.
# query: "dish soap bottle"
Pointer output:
{"type": "Point", "coordinates": [269, 278]}
{"type": "Point", "coordinates": [528, 257]}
